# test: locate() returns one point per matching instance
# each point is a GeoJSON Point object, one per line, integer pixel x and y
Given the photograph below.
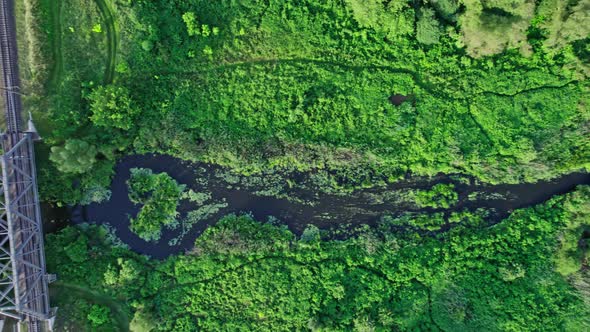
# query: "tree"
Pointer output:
{"type": "Point", "coordinates": [427, 28]}
{"type": "Point", "coordinates": [76, 156]}
{"type": "Point", "coordinates": [446, 8]}
{"type": "Point", "coordinates": [130, 271]}
{"type": "Point", "coordinates": [311, 234]}
{"type": "Point", "coordinates": [112, 106]}
{"type": "Point", "coordinates": [95, 194]}
{"type": "Point", "coordinates": [393, 19]}
{"type": "Point", "coordinates": [77, 251]}
{"type": "Point", "coordinates": [142, 321]}
{"type": "Point", "coordinates": [192, 25]}
{"type": "Point", "coordinates": [490, 27]}
{"type": "Point", "coordinates": [98, 315]}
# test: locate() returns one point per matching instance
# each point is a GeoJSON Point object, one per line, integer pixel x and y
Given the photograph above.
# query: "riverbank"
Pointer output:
{"type": "Point", "coordinates": [244, 273]}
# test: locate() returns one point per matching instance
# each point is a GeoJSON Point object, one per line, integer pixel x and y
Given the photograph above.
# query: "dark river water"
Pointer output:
{"type": "Point", "coordinates": [327, 211]}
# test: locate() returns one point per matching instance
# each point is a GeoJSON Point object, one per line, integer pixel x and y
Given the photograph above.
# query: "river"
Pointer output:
{"type": "Point", "coordinates": [327, 211]}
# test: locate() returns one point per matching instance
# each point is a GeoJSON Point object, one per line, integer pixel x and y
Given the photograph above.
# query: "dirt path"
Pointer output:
{"type": "Point", "coordinates": [106, 12]}
{"type": "Point", "coordinates": [98, 298]}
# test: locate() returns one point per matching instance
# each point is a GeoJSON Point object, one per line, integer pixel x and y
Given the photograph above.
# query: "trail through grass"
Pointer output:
{"type": "Point", "coordinates": [112, 37]}
{"type": "Point", "coordinates": [56, 42]}
{"type": "Point", "coordinates": [57, 71]}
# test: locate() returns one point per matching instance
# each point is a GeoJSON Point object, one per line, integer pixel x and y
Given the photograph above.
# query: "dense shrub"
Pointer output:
{"type": "Point", "coordinates": [111, 106]}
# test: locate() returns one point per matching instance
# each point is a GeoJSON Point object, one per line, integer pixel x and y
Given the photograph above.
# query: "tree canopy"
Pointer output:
{"type": "Point", "coordinates": [75, 156]}
{"type": "Point", "coordinates": [111, 106]}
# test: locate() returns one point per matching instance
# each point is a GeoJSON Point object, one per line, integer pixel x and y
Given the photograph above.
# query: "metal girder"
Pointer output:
{"type": "Point", "coordinates": [23, 279]}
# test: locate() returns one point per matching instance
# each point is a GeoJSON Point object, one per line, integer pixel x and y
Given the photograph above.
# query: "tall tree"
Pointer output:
{"type": "Point", "coordinates": [75, 156]}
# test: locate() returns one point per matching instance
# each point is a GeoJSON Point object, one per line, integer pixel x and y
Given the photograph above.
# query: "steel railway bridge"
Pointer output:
{"type": "Point", "coordinates": [24, 296]}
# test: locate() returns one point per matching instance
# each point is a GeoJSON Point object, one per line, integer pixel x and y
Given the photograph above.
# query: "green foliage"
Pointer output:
{"type": "Point", "coordinates": [574, 248]}
{"type": "Point", "coordinates": [147, 45]}
{"type": "Point", "coordinates": [82, 282]}
{"type": "Point", "coordinates": [56, 187]}
{"type": "Point", "coordinates": [194, 216]}
{"type": "Point", "coordinates": [97, 28]}
{"type": "Point", "coordinates": [427, 28]}
{"type": "Point", "coordinates": [446, 8]}
{"type": "Point", "coordinates": [428, 222]}
{"type": "Point", "coordinates": [450, 307]}
{"type": "Point", "coordinates": [202, 213]}
{"type": "Point", "coordinates": [304, 85]}
{"type": "Point", "coordinates": [112, 107]}
{"type": "Point", "coordinates": [511, 273]}
{"type": "Point", "coordinates": [311, 234]}
{"type": "Point", "coordinates": [77, 250]}
{"type": "Point", "coordinates": [192, 26]}
{"type": "Point", "coordinates": [75, 156]}
{"type": "Point", "coordinates": [242, 235]}
{"type": "Point", "coordinates": [393, 18]}
{"type": "Point", "coordinates": [490, 27]}
{"type": "Point", "coordinates": [74, 313]}
{"type": "Point", "coordinates": [98, 315]}
{"type": "Point", "coordinates": [123, 273]}
{"type": "Point", "coordinates": [196, 197]}
{"type": "Point", "coordinates": [564, 23]}
{"type": "Point", "coordinates": [142, 322]}
{"type": "Point", "coordinates": [159, 195]}
{"type": "Point", "coordinates": [95, 194]}
{"type": "Point", "coordinates": [439, 196]}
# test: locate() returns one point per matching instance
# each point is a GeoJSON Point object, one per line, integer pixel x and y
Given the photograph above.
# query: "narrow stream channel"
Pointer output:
{"type": "Point", "coordinates": [326, 211]}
